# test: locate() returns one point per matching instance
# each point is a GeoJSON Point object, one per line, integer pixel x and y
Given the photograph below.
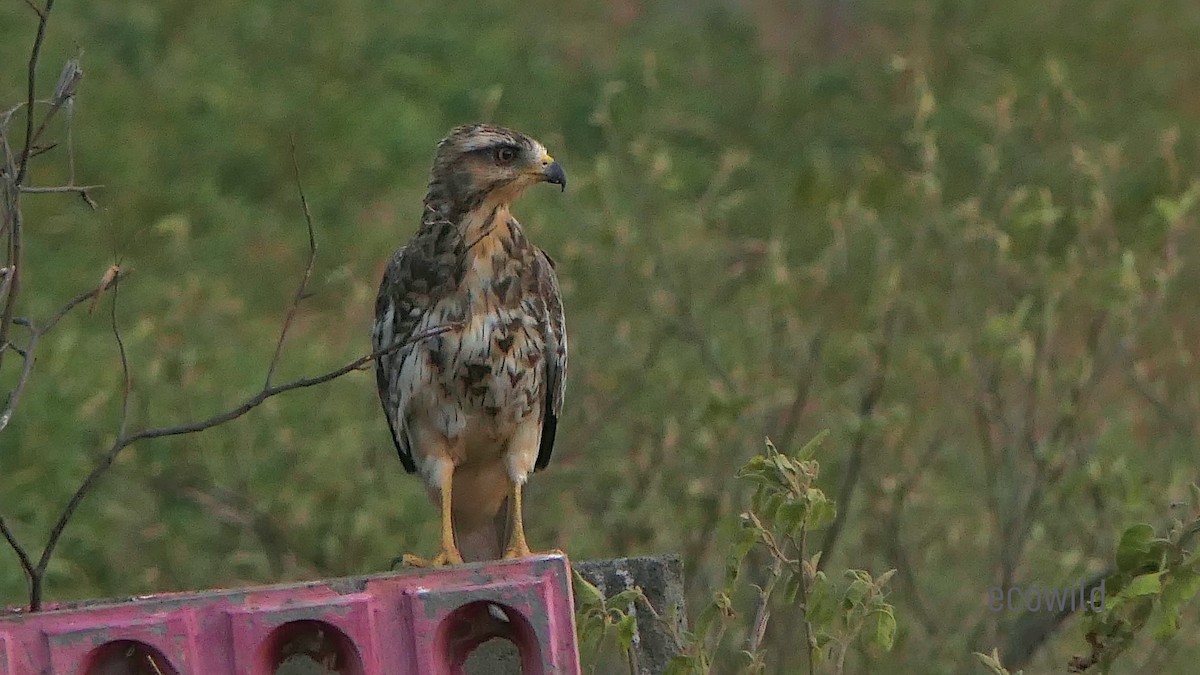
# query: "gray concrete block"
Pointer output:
{"type": "Point", "coordinates": [660, 578]}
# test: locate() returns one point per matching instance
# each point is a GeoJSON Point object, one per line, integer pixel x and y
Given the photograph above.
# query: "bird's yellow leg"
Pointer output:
{"type": "Point", "coordinates": [448, 555]}
{"type": "Point", "coordinates": [517, 547]}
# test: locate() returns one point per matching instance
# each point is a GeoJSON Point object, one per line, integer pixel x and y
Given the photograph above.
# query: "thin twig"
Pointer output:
{"type": "Point", "coordinates": [14, 396]}
{"type": "Point", "coordinates": [34, 54]}
{"type": "Point", "coordinates": [59, 189]}
{"type": "Point", "coordinates": [37, 332]}
{"type": "Point", "coordinates": [308, 270]}
{"type": "Point", "coordinates": [81, 298]}
{"type": "Point", "coordinates": [14, 234]}
{"type": "Point", "coordinates": [36, 10]}
{"type": "Point", "coordinates": [64, 96]}
{"type": "Point", "coordinates": [810, 646]}
{"type": "Point", "coordinates": [763, 614]}
{"type": "Point", "coordinates": [126, 378]}
{"type": "Point", "coordinates": [22, 554]}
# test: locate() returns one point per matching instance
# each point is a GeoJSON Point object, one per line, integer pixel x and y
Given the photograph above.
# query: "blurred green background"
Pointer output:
{"type": "Point", "coordinates": [960, 235]}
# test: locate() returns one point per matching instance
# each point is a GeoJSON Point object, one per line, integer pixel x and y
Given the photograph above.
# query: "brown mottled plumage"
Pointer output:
{"type": "Point", "coordinates": [473, 410]}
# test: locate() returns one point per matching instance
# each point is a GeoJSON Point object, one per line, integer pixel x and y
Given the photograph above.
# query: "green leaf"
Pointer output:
{"type": "Point", "coordinates": [790, 518]}
{"type": "Point", "coordinates": [821, 511]}
{"type": "Point", "coordinates": [822, 604]}
{"type": "Point", "coordinates": [810, 448]}
{"type": "Point", "coordinates": [771, 449]}
{"type": "Point", "coordinates": [879, 631]}
{"type": "Point", "coordinates": [1177, 591]}
{"type": "Point", "coordinates": [626, 628]}
{"type": "Point", "coordinates": [723, 602]}
{"type": "Point", "coordinates": [1134, 548]}
{"type": "Point", "coordinates": [683, 665]}
{"type": "Point", "coordinates": [856, 592]}
{"type": "Point", "coordinates": [771, 508]}
{"type": "Point", "coordinates": [1145, 584]}
{"type": "Point", "coordinates": [747, 537]}
{"type": "Point", "coordinates": [791, 588]}
{"type": "Point", "coordinates": [624, 598]}
{"type": "Point", "coordinates": [590, 630]}
{"type": "Point", "coordinates": [586, 594]}
{"type": "Point", "coordinates": [783, 465]}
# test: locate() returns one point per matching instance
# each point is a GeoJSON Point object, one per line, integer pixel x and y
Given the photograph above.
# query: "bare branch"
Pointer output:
{"type": "Point", "coordinates": [59, 189]}
{"type": "Point", "coordinates": [763, 612]}
{"type": "Point", "coordinates": [14, 397]}
{"type": "Point", "coordinates": [34, 54]}
{"type": "Point", "coordinates": [109, 278]}
{"type": "Point", "coordinates": [13, 278]}
{"type": "Point", "coordinates": [64, 93]}
{"type": "Point", "coordinates": [14, 233]}
{"type": "Point", "coordinates": [308, 270]}
{"type": "Point", "coordinates": [27, 353]}
{"type": "Point", "coordinates": [126, 379]}
{"type": "Point", "coordinates": [866, 409]}
{"type": "Point", "coordinates": [22, 554]}
{"type": "Point", "coordinates": [267, 392]}
{"type": "Point", "coordinates": [36, 10]}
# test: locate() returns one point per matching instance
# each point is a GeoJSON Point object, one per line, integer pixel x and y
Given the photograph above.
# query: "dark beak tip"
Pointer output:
{"type": "Point", "coordinates": [556, 175]}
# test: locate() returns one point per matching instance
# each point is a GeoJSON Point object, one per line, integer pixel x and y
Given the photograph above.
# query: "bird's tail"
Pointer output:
{"type": "Point", "coordinates": [487, 541]}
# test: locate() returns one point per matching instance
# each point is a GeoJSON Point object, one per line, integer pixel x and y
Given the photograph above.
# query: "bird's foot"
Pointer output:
{"type": "Point", "coordinates": [521, 550]}
{"type": "Point", "coordinates": [442, 559]}
{"type": "Point", "coordinates": [515, 553]}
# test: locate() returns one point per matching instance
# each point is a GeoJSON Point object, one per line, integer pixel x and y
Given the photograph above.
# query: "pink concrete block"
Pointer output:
{"type": "Point", "coordinates": [410, 622]}
{"type": "Point", "coordinates": [76, 638]}
{"type": "Point", "coordinates": [262, 629]}
{"type": "Point", "coordinates": [6, 664]}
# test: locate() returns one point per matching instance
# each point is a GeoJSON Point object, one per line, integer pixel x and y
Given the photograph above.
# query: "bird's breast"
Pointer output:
{"type": "Point", "coordinates": [492, 366]}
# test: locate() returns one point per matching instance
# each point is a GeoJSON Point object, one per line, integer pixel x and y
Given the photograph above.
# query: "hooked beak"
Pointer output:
{"type": "Point", "coordinates": [553, 173]}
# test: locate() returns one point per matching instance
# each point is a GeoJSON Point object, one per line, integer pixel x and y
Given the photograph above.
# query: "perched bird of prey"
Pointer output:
{"type": "Point", "coordinates": [473, 409]}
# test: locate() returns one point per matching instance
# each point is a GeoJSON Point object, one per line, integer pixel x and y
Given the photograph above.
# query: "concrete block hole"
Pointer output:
{"type": "Point", "coordinates": [311, 647]}
{"type": "Point", "coordinates": [127, 657]}
{"type": "Point", "coordinates": [487, 637]}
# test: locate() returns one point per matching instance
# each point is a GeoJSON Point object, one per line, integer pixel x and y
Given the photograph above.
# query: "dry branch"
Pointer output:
{"type": "Point", "coordinates": [14, 198]}
{"type": "Point", "coordinates": [866, 409]}
{"type": "Point", "coordinates": [308, 270]}
{"type": "Point", "coordinates": [59, 189]}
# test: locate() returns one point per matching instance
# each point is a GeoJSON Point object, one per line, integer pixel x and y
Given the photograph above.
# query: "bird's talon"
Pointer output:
{"type": "Point", "coordinates": [442, 559]}
{"type": "Point", "coordinates": [514, 553]}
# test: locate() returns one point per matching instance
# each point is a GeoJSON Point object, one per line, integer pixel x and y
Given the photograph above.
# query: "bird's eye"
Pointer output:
{"type": "Point", "coordinates": [505, 155]}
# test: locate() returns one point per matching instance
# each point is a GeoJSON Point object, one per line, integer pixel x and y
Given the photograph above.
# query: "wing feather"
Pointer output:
{"type": "Point", "coordinates": [554, 331]}
{"type": "Point", "coordinates": [418, 275]}
{"type": "Point", "coordinates": [389, 303]}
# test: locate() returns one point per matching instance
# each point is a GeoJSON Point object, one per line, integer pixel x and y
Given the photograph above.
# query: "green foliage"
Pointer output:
{"type": "Point", "coordinates": [786, 506]}
{"type": "Point", "coordinates": [1155, 577]}
{"type": "Point", "coordinates": [605, 623]}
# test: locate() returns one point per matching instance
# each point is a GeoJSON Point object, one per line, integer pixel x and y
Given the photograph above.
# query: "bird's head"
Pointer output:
{"type": "Point", "coordinates": [480, 161]}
